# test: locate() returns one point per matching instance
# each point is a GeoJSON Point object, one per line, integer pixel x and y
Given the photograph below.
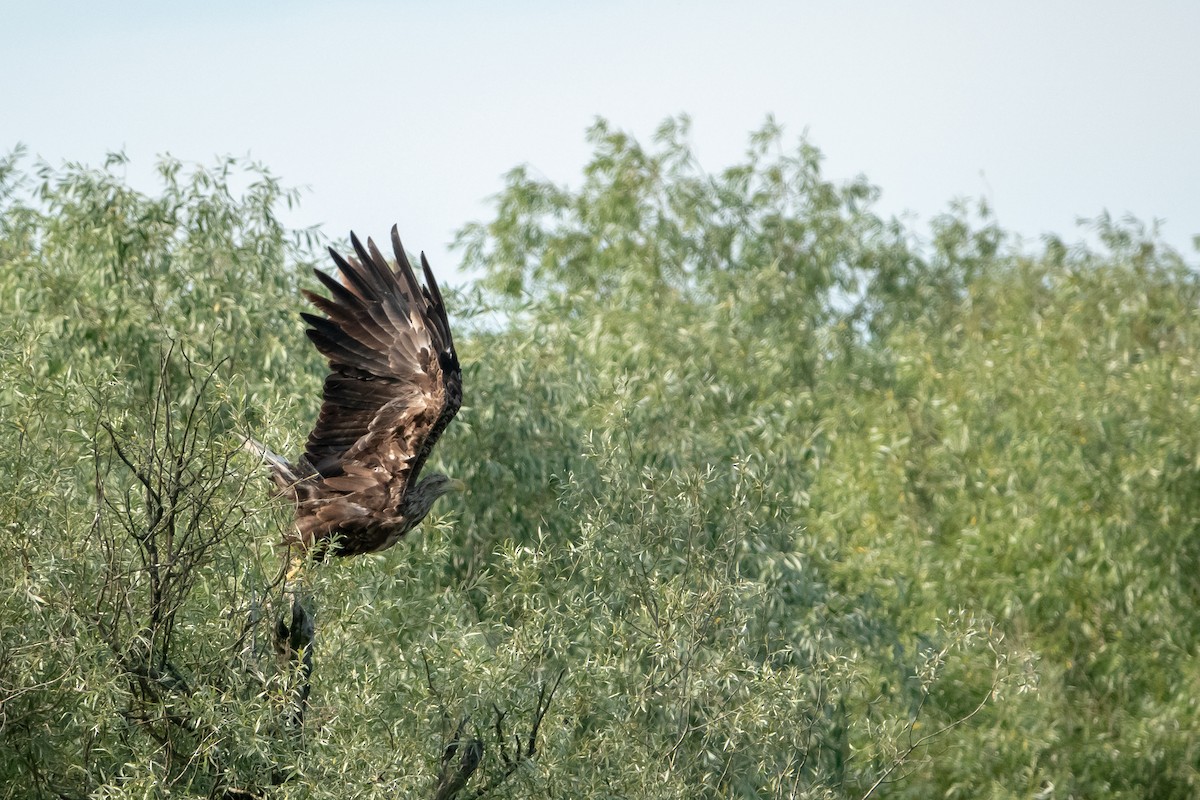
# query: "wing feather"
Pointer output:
{"type": "Point", "coordinates": [375, 269]}
{"type": "Point", "coordinates": [412, 289]}
{"type": "Point", "coordinates": [343, 349]}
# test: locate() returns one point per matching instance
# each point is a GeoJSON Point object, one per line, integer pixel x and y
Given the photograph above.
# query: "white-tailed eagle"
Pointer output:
{"type": "Point", "coordinates": [393, 387]}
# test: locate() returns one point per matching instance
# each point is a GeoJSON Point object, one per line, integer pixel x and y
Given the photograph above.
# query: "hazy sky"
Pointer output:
{"type": "Point", "coordinates": [411, 112]}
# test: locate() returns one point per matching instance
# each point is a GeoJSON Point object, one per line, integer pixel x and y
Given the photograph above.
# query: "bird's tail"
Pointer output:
{"type": "Point", "coordinates": [282, 470]}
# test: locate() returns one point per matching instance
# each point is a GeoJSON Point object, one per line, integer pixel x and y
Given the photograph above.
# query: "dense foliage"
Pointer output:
{"type": "Point", "coordinates": [769, 496]}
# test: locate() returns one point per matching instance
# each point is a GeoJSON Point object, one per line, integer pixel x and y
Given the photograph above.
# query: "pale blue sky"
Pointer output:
{"type": "Point", "coordinates": [411, 112]}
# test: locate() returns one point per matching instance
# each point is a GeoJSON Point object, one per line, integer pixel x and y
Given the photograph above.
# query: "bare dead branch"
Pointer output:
{"type": "Point", "coordinates": [523, 749]}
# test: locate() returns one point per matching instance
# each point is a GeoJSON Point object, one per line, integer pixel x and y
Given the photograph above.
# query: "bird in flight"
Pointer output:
{"type": "Point", "coordinates": [393, 387]}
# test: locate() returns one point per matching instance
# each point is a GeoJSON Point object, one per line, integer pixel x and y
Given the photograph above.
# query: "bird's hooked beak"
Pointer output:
{"type": "Point", "coordinates": [456, 485]}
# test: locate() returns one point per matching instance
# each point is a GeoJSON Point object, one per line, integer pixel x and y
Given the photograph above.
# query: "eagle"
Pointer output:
{"type": "Point", "coordinates": [393, 387]}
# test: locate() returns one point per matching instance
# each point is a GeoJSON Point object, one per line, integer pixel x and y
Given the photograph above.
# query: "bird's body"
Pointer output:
{"type": "Point", "coordinates": [393, 387]}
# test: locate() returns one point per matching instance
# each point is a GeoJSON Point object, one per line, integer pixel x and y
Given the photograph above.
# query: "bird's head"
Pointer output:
{"type": "Point", "coordinates": [420, 497]}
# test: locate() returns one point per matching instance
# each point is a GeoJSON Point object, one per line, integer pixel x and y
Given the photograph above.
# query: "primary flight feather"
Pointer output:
{"type": "Point", "coordinates": [393, 387]}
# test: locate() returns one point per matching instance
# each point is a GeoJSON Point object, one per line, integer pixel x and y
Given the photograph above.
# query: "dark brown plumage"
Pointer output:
{"type": "Point", "coordinates": [393, 387]}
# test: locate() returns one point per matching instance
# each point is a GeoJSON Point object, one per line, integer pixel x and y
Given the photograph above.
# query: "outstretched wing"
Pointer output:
{"type": "Point", "coordinates": [395, 381]}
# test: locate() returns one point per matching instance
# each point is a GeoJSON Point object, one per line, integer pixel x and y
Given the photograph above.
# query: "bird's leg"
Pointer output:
{"type": "Point", "coordinates": [295, 573]}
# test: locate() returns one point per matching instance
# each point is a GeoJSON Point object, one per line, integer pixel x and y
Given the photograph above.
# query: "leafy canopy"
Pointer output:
{"type": "Point", "coordinates": [769, 496]}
